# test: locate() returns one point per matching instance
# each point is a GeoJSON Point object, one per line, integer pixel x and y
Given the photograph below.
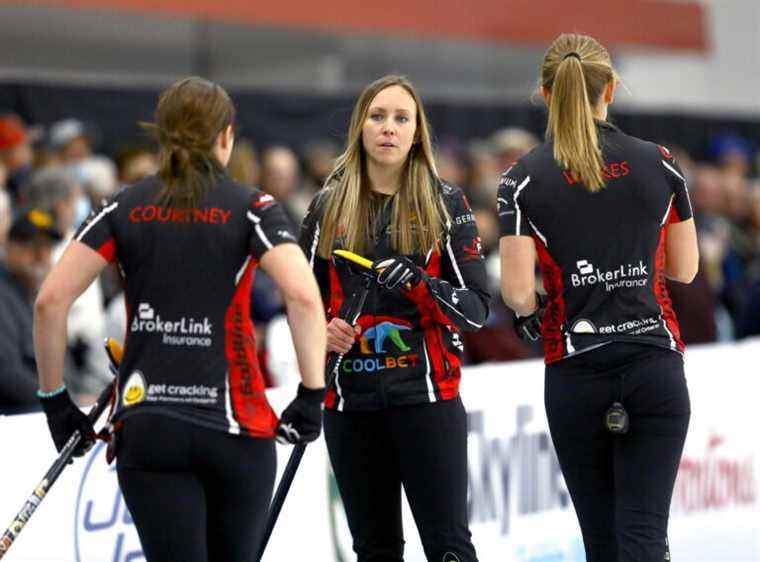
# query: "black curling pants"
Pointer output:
{"type": "Point", "coordinates": [422, 447]}
{"type": "Point", "coordinates": [621, 486]}
{"type": "Point", "coordinates": [195, 494]}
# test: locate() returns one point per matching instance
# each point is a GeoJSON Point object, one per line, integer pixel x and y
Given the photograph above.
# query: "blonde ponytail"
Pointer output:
{"type": "Point", "coordinates": [575, 72]}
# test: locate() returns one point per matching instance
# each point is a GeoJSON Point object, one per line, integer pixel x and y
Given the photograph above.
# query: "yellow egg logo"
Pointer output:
{"type": "Point", "coordinates": [134, 390]}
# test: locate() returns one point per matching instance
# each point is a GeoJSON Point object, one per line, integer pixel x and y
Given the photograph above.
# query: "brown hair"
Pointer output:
{"type": "Point", "coordinates": [417, 213]}
{"type": "Point", "coordinates": [190, 115]}
{"type": "Point", "coordinates": [576, 70]}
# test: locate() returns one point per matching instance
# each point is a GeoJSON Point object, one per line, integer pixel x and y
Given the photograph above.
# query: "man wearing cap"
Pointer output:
{"type": "Point", "coordinates": [28, 259]}
{"type": "Point", "coordinates": [16, 154]}
{"type": "Point", "coordinates": [70, 141]}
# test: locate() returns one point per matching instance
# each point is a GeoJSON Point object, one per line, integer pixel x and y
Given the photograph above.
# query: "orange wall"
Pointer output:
{"type": "Point", "coordinates": [653, 23]}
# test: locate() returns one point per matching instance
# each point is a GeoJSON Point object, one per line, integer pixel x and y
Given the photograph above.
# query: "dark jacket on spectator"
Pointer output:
{"type": "Point", "coordinates": [18, 371]}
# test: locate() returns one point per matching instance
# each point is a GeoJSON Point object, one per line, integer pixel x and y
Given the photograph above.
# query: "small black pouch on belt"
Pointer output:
{"type": "Point", "coordinates": [616, 418]}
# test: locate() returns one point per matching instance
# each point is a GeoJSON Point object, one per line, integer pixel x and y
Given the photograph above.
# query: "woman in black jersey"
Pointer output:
{"type": "Point", "coordinates": [393, 417]}
{"type": "Point", "coordinates": [194, 432]}
{"type": "Point", "coordinates": [608, 218]}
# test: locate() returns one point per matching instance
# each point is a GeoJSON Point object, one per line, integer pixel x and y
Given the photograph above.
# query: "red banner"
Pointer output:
{"type": "Point", "coordinates": [660, 24]}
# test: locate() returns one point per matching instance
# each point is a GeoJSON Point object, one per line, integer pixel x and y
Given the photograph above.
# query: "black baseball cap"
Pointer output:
{"type": "Point", "coordinates": [30, 222]}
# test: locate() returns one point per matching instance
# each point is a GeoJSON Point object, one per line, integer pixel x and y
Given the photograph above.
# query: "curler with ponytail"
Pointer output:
{"type": "Point", "coordinates": [191, 114]}
{"type": "Point", "coordinates": [576, 70]}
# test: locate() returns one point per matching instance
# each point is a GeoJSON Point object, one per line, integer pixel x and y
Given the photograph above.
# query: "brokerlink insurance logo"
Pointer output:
{"type": "Point", "coordinates": [182, 332]}
{"type": "Point", "coordinates": [104, 530]}
{"type": "Point", "coordinates": [383, 345]}
{"type": "Point", "coordinates": [623, 277]}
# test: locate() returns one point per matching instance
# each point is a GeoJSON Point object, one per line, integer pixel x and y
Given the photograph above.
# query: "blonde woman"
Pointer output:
{"type": "Point", "coordinates": [608, 217]}
{"type": "Point", "coordinates": [393, 416]}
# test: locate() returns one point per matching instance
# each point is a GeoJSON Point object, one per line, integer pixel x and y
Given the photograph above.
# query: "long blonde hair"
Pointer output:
{"type": "Point", "coordinates": [417, 214]}
{"type": "Point", "coordinates": [576, 70]}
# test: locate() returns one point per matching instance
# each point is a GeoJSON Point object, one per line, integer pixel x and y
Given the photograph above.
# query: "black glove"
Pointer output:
{"type": "Point", "coordinates": [528, 328]}
{"type": "Point", "coordinates": [64, 418]}
{"type": "Point", "coordinates": [399, 270]}
{"type": "Point", "coordinates": [301, 421]}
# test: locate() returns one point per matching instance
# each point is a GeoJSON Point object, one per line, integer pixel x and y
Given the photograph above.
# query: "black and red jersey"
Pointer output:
{"type": "Point", "coordinates": [190, 351]}
{"type": "Point", "coordinates": [410, 347]}
{"type": "Point", "coordinates": [602, 255]}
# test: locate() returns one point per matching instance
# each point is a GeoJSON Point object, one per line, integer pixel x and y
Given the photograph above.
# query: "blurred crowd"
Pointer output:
{"type": "Point", "coordinates": [51, 179]}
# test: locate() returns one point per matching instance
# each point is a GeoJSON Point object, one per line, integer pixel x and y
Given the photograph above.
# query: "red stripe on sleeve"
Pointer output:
{"type": "Point", "coordinates": [673, 215]}
{"type": "Point", "coordinates": [108, 250]}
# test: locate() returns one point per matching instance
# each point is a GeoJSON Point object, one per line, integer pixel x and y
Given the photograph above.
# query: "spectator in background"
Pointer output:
{"type": "Point", "coordinates": [732, 153]}
{"type": "Point", "coordinates": [244, 163]}
{"type": "Point", "coordinates": [98, 177]}
{"type": "Point", "coordinates": [496, 340]}
{"type": "Point", "coordinates": [319, 159]}
{"type": "Point", "coordinates": [712, 226]}
{"type": "Point", "coordinates": [56, 191]}
{"type": "Point", "coordinates": [27, 261]}
{"type": "Point", "coordinates": [16, 154]}
{"type": "Point", "coordinates": [684, 159]}
{"type": "Point", "coordinates": [748, 321]}
{"type": "Point", "coordinates": [511, 144]}
{"type": "Point", "coordinates": [281, 178]}
{"type": "Point", "coordinates": [696, 307]}
{"type": "Point", "coordinates": [5, 220]}
{"type": "Point", "coordinates": [484, 173]}
{"type": "Point", "coordinates": [135, 163]}
{"type": "Point", "coordinates": [736, 198]}
{"type": "Point", "coordinates": [70, 141]}
{"type": "Point", "coordinates": [451, 168]}
{"type": "Point", "coordinates": [700, 315]}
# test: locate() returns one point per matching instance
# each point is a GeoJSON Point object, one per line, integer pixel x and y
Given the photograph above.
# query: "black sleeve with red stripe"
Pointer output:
{"type": "Point", "coordinates": [512, 219]}
{"type": "Point", "coordinates": [681, 209]}
{"type": "Point", "coordinates": [270, 225]}
{"type": "Point", "coordinates": [459, 297]}
{"type": "Point", "coordinates": [308, 239]}
{"type": "Point", "coordinates": [97, 230]}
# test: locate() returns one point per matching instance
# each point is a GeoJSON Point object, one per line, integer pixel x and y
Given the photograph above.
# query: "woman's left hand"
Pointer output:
{"type": "Point", "coordinates": [395, 271]}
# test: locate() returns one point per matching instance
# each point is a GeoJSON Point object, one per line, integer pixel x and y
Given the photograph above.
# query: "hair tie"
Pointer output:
{"type": "Point", "coordinates": [572, 54]}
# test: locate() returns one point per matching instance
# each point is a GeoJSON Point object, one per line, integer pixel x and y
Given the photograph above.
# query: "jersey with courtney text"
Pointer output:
{"type": "Point", "coordinates": [190, 351]}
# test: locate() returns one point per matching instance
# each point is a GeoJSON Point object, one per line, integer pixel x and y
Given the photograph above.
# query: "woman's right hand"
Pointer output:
{"type": "Point", "coordinates": [341, 335]}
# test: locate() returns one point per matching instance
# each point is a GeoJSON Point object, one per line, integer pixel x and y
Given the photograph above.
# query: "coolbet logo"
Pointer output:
{"type": "Point", "coordinates": [185, 331]}
{"type": "Point", "coordinates": [381, 335]}
{"type": "Point", "coordinates": [103, 526]}
{"type": "Point", "coordinates": [624, 277]}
